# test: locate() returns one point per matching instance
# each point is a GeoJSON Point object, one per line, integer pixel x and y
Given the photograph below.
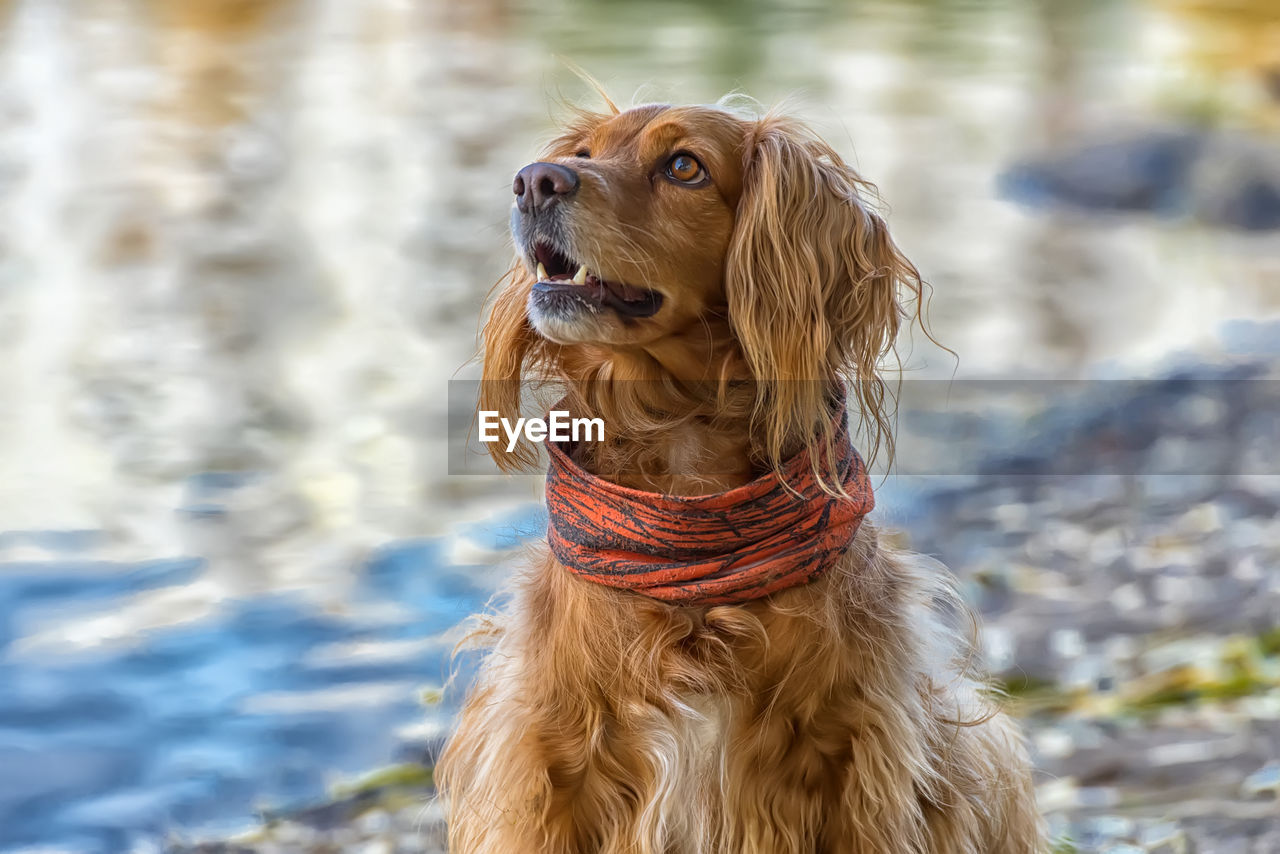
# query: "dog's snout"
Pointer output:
{"type": "Point", "coordinates": [539, 186]}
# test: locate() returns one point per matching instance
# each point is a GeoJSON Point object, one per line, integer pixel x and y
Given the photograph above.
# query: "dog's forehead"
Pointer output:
{"type": "Point", "coordinates": [628, 126]}
{"type": "Point", "coordinates": [662, 126]}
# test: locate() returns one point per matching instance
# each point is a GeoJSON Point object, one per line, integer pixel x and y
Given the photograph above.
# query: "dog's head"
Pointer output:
{"type": "Point", "coordinates": [680, 245]}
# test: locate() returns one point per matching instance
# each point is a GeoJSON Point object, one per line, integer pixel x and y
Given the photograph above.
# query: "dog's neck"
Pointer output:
{"type": "Point", "coordinates": [692, 457]}
{"type": "Point", "coordinates": [672, 422]}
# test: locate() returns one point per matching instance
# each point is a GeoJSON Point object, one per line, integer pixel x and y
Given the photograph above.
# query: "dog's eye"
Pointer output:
{"type": "Point", "coordinates": [686, 169]}
{"type": "Point", "coordinates": [583, 153]}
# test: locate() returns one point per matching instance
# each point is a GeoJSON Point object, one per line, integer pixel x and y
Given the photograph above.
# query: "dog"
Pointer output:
{"type": "Point", "coordinates": [714, 286]}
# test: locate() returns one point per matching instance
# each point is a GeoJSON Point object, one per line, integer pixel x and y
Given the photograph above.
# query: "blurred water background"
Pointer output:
{"type": "Point", "coordinates": [244, 245]}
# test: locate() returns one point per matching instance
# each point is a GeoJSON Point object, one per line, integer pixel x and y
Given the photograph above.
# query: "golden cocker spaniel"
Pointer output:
{"type": "Point", "coordinates": [708, 284]}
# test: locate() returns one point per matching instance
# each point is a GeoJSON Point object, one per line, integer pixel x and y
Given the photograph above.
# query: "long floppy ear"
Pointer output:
{"type": "Point", "coordinates": [512, 350]}
{"type": "Point", "coordinates": [812, 282]}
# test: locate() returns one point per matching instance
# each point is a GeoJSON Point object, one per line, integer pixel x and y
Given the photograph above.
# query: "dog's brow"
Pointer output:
{"type": "Point", "coordinates": [664, 132]}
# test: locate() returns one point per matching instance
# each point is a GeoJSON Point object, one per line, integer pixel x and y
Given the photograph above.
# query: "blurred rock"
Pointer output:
{"type": "Point", "coordinates": [1220, 178]}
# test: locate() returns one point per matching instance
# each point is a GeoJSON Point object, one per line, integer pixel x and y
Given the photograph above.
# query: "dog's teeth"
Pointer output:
{"type": "Point", "coordinates": [581, 277]}
{"type": "Point", "coordinates": [542, 272]}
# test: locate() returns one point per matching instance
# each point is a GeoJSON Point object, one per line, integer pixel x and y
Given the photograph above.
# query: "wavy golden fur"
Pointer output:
{"type": "Point", "coordinates": [729, 294]}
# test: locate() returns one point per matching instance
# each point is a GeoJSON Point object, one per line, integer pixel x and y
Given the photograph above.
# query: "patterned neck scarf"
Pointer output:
{"type": "Point", "coordinates": [729, 547]}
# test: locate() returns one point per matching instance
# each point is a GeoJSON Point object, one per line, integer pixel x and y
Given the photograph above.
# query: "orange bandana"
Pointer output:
{"type": "Point", "coordinates": [728, 547]}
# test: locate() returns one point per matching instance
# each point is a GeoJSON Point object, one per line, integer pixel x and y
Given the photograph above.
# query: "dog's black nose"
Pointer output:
{"type": "Point", "coordinates": [538, 186]}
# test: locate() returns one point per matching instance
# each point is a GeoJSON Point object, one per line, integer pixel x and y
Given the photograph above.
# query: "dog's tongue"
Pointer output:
{"type": "Point", "coordinates": [595, 288]}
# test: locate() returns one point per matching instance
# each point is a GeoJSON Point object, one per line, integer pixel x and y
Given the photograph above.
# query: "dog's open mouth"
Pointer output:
{"type": "Point", "coordinates": [560, 274]}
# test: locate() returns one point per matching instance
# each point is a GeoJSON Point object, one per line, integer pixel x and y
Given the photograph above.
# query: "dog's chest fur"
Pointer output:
{"type": "Point", "coordinates": [686, 804]}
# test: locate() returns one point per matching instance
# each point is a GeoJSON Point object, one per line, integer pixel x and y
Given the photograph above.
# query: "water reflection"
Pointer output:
{"type": "Point", "coordinates": [243, 248]}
